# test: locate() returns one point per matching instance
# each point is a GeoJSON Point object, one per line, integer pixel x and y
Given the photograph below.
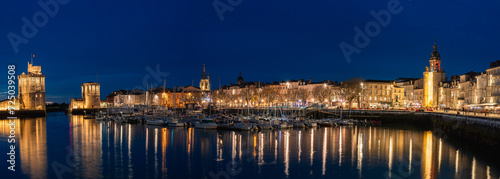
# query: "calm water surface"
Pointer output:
{"type": "Point", "coordinates": [71, 146]}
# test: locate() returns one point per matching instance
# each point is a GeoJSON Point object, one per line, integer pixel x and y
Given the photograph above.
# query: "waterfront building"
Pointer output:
{"type": "Point", "coordinates": [32, 88]}
{"type": "Point", "coordinates": [292, 93]}
{"type": "Point", "coordinates": [180, 97]}
{"type": "Point", "coordinates": [91, 97]}
{"type": "Point", "coordinates": [126, 98]}
{"type": "Point", "coordinates": [413, 91]}
{"type": "Point", "coordinates": [434, 75]}
{"type": "Point", "coordinates": [492, 77]}
{"type": "Point", "coordinates": [379, 94]}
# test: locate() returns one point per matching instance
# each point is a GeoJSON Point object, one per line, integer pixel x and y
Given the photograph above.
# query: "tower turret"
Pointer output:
{"type": "Point", "coordinates": [435, 60]}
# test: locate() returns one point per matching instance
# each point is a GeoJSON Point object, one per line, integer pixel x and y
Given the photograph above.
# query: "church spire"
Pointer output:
{"type": "Point", "coordinates": [204, 73]}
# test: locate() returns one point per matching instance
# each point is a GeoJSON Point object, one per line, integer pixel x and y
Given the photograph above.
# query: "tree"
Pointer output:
{"type": "Point", "coordinates": [217, 96]}
{"type": "Point", "coordinates": [302, 95]}
{"type": "Point", "coordinates": [334, 94]}
{"type": "Point", "coordinates": [270, 94]}
{"type": "Point", "coordinates": [321, 92]}
{"type": "Point", "coordinates": [352, 90]}
{"type": "Point", "coordinates": [246, 95]}
{"type": "Point", "coordinates": [292, 96]}
{"type": "Point", "coordinates": [230, 96]}
{"type": "Point", "coordinates": [254, 95]}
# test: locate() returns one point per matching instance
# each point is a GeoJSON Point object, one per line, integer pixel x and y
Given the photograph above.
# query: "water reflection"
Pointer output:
{"type": "Point", "coordinates": [112, 150]}
{"type": "Point", "coordinates": [86, 146]}
{"type": "Point", "coordinates": [31, 145]}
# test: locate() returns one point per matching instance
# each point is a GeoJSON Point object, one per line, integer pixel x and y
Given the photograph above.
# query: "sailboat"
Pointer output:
{"type": "Point", "coordinates": [174, 122]}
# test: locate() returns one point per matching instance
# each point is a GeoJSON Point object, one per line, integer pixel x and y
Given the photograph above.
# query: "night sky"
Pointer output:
{"type": "Point", "coordinates": [264, 40]}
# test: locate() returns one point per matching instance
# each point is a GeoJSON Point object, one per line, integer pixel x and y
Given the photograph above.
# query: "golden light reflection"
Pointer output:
{"type": "Point", "coordinates": [410, 155]}
{"type": "Point", "coordinates": [488, 173]}
{"type": "Point", "coordinates": [323, 169]}
{"type": "Point", "coordinates": [275, 150]}
{"type": "Point", "coordinates": [131, 171]}
{"type": "Point", "coordinates": [333, 138]}
{"type": "Point", "coordinates": [287, 152]}
{"type": "Point", "coordinates": [390, 156]}
{"type": "Point", "coordinates": [31, 144]}
{"type": "Point", "coordinates": [360, 154]}
{"type": "Point", "coordinates": [189, 140]}
{"type": "Point", "coordinates": [427, 155]}
{"type": "Point", "coordinates": [233, 147]}
{"type": "Point", "coordinates": [473, 174]}
{"type": "Point", "coordinates": [254, 145]}
{"type": "Point", "coordinates": [312, 145]}
{"type": "Point", "coordinates": [121, 136]}
{"type": "Point", "coordinates": [261, 149]}
{"type": "Point", "coordinates": [219, 148]}
{"type": "Point", "coordinates": [369, 139]}
{"type": "Point", "coordinates": [164, 151]}
{"type": "Point", "coordinates": [354, 142]}
{"type": "Point", "coordinates": [156, 152]}
{"type": "Point", "coordinates": [439, 154]}
{"type": "Point", "coordinates": [239, 146]}
{"type": "Point", "coordinates": [85, 142]}
{"type": "Point", "coordinates": [299, 141]}
{"type": "Point", "coordinates": [456, 162]}
{"type": "Point", "coordinates": [378, 153]}
{"type": "Point", "coordinates": [340, 147]}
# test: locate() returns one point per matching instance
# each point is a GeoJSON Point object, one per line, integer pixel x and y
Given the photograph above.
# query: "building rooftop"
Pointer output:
{"type": "Point", "coordinates": [379, 81]}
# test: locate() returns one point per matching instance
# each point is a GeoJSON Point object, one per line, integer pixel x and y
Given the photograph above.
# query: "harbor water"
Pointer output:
{"type": "Point", "coordinates": [69, 146]}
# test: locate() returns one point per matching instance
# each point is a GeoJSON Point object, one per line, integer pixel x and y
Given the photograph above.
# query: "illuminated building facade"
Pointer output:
{"type": "Point", "coordinates": [179, 97]}
{"type": "Point", "coordinates": [380, 93]}
{"type": "Point", "coordinates": [91, 94]}
{"type": "Point", "coordinates": [413, 92]}
{"type": "Point", "coordinates": [32, 88]}
{"type": "Point", "coordinates": [434, 75]}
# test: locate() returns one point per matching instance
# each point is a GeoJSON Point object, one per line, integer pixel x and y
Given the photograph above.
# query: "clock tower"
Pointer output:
{"type": "Point", "coordinates": [433, 75]}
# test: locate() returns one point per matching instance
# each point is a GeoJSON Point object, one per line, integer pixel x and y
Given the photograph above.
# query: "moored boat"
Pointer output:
{"type": "Point", "coordinates": [206, 123]}
{"type": "Point", "coordinates": [175, 123]}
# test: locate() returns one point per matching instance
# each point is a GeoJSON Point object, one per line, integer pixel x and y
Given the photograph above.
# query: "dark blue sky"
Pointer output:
{"type": "Point", "coordinates": [265, 40]}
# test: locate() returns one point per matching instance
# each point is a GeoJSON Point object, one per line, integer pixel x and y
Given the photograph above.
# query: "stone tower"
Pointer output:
{"type": "Point", "coordinates": [32, 88]}
{"type": "Point", "coordinates": [433, 75]}
{"type": "Point", "coordinates": [91, 94]}
{"type": "Point", "coordinates": [205, 81]}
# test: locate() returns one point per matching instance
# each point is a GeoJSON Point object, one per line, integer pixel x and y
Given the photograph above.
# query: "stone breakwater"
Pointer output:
{"type": "Point", "coordinates": [23, 114]}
